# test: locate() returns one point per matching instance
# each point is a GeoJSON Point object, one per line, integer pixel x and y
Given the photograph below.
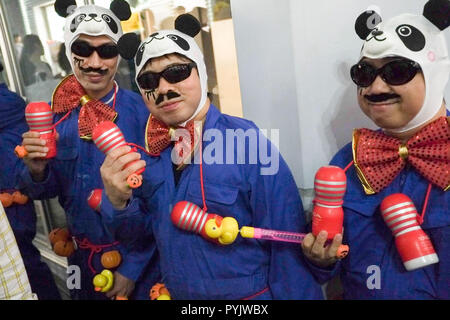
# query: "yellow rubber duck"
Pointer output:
{"type": "Point", "coordinates": [104, 281]}
{"type": "Point", "coordinates": [225, 232]}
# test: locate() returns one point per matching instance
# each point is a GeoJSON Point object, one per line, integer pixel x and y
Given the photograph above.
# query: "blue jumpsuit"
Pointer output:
{"type": "Point", "coordinates": [194, 268]}
{"type": "Point", "coordinates": [21, 217]}
{"type": "Point", "coordinates": [372, 245]}
{"type": "Point", "coordinates": [72, 175]}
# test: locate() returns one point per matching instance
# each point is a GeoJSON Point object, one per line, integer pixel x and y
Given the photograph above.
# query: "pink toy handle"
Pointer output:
{"type": "Point", "coordinates": [286, 236]}
{"type": "Point", "coordinates": [275, 235]}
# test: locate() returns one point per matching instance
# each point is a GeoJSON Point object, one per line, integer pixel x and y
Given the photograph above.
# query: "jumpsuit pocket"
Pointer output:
{"type": "Point", "coordinates": [216, 195]}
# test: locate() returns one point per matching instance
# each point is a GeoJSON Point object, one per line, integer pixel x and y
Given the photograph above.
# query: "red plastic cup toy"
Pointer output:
{"type": "Point", "coordinates": [108, 137]}
{"type": "Point", "coordinates": [39, 117]}
{"type": "Point", "coordinates": [413, 244]}
{"type": "Point", "coordinates": [190, 217]}
{"type": "Point", "coordinates": [330, 184]}
{"type": "Point", "coordinates": [95, 199]}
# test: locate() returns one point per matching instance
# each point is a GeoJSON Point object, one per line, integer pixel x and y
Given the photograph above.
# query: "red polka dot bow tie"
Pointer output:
{"type": "Point", "coordinates": [70, 94]}
{"type": "Point", "coordinates": [379, 158]}
{"type": "Point", "coordinates": [159, 136]}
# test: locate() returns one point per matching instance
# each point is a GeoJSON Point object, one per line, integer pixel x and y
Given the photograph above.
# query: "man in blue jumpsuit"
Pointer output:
{"type": "Point", "coordinates": [74, 172]}
{"type": "Point", "coordinates": [228, 182]}
{"type": "Point", "coordinates": [22, 217]}
{"type": "Point", "coordinates": [400, 82]}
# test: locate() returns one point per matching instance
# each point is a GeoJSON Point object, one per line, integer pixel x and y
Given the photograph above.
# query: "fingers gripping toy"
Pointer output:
{"type": "Point", "coordinates": [188, 216]}
{"type": "Point", "coordinates": [39, 117]}
{"type": "Point", "coordinates": [108, 137]}
{"type": "Point", "coordinates": [413, 244]}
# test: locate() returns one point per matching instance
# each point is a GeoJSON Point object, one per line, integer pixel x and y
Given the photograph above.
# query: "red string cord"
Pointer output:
{"type": "Point", "coordinates": [95, 248]}
{"type": "Point", "coordinates": [425, 204]}
{"type": "Point", "coordinates": [205, 208]}
{"type": "Point", "coordinates": [201, 178]}
{"type": "Point", "coordinates": [62, 119]}
{"type": "Point", "coordinates": [348, 166]}
{"type": "Point", "coordinates": [114, 101]}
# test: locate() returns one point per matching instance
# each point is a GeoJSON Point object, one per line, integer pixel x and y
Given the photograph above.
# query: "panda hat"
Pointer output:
{"type": "Point", "coordinates": [418, 38]}
{"type": "Point", "coordinates": [91, 20]}
{"type": "Point", "coordinates": [181, 41]}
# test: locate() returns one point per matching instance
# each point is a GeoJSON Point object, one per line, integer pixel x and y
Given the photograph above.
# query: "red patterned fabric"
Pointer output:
{"type": "Point", "coordinates": [159, 137]}
{"type": "Point", "coordinates": [67, 97]}
{"type": "Point", "coordinates": [380, 157]}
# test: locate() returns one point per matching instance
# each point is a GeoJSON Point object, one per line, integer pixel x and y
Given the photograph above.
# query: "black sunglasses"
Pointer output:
{"type": "Point", "coordinates": [173, 74]}
{"type": "Point", "coordinates": [84, 49]}
{"type": "Point", "coordinates": [395, 73]}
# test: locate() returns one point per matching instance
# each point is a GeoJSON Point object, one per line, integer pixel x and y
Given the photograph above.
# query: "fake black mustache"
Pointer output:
{"type": "Point", "coordinates": [170, 95]}
{"type": "Point", "coordinates": [381, 97]}
{"type": "Point", "coordinates": [96, 70]}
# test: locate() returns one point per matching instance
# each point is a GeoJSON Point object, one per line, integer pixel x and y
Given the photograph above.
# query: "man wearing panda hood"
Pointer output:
{"type": "Point", "coordinates": [172, 77]}
{"type": "Point", "coordinates": [84, 99]}
{"type": "Point", "coordinates": [21, 216]}
{"type": "Point", "coordinates": [401, 76]}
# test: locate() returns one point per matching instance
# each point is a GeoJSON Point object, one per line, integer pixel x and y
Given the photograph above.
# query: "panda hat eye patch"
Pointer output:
{"type": "Point", "coordinates": [84, 49]}
{"type": "Point", "coordinates": [395, 73]}
{"type": "Point", "coordinates": [173, 74]}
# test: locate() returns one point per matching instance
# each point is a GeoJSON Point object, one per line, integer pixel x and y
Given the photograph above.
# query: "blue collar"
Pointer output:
{"type": "Point", "coordinates": [109, 98]}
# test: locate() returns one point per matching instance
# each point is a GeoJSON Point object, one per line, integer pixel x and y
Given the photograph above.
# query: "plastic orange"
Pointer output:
{"type": "Point", "coordinates": [20, 151]}
{"type": "Point", "coordinates": [134, 181]}
{"type": "Point", "coordinates": [19, 197]}
{"type": "Point", "coordinates": [159, 290]}
{"type": "Point", "coordinates": [111, 259]}
{"type": "Point", "coordinates": [58, 234]}
{"type": "Point", "coordinates": [64, 248]}
{"type": "Point", "coordinates": [342, 251]}
{"type": "Point", "coordinates": [6, 199]}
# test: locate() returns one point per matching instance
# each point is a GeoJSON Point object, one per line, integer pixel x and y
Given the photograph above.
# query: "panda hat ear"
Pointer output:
{"type": "Point", "coordinates": [65, 8]}
{"type": "Point", "coordinates": [188, 24]}
{"type": "Point", "coordinates": [438, 13]}
{"type": "Point", "coordinates": [128, 45]}
{"type": "Point", "coordinates": [366, 22]}
{"type": "Point", "coordinates": [121, 9]}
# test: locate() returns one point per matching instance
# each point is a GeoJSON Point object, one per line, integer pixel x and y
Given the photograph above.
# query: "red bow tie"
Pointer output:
{"type": "Point", "coordinates": [69, 95]}
{"type": "Point", "coordinates": [378, 158]}
{"type": "Point", "coordinates": [159, 136]}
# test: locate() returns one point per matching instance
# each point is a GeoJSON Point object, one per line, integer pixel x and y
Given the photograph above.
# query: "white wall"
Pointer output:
{"type": "Point", "coordinates": [294, 58]}
{"type": "Point", "coordinates": [266, 70]}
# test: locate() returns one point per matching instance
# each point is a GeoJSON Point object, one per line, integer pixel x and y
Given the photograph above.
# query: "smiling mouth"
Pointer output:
{"type": "Point", "coordinates": [85, 20]}
{"type": "Point", "coordinates": [168, 104]}
{"type": "Point", "coordinates": [375, 37]}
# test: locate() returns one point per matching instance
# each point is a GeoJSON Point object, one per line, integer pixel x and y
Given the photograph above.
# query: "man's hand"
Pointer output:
{"type": "Point", "coordinates": [316, 251]}
{"type": "Point", "coordinates": [114, 174]}
{"type": "Point", "coordinates": [123, 287]}
{"type": "Point", "coordinates": [36, 150]}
